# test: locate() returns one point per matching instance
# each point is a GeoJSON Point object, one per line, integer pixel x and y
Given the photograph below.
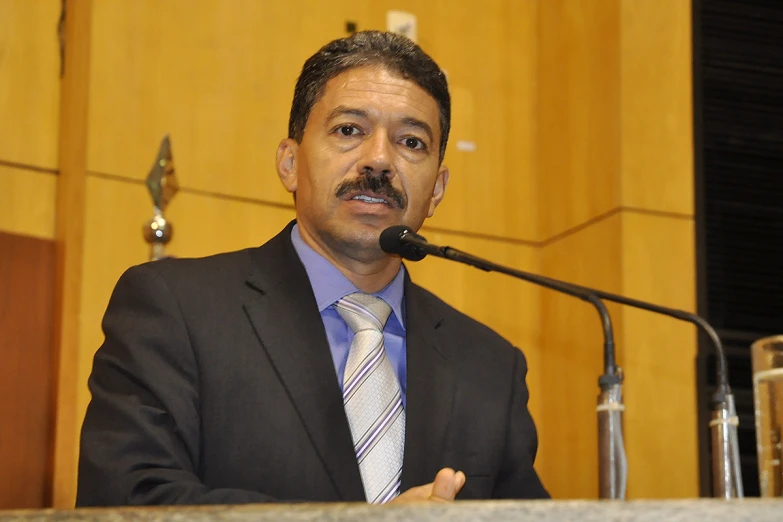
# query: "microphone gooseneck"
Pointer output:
{"type": "Point", "coordinates": [727, 478]}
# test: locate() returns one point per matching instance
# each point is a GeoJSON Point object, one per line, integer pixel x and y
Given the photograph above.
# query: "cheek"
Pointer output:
{"type": "Point", "coordinates": [322, 186]}
{"type": "Point", "coordinates": [420, 197]}
{"type": "Point", "coordinates": [312, 175]}
{"type": "Point", "coordinates": [328, 170]}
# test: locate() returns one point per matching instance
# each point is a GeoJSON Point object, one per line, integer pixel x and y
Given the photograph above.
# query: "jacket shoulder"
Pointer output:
{"type": "Point", "coordinates": [458, 325]}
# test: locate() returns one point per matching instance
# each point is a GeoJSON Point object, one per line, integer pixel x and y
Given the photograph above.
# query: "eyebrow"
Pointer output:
{"type": "Point", "coordinates": [343, 110]}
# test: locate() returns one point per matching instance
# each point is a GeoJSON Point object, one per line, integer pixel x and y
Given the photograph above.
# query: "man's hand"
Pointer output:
{"type": "Point", "coordinates": [444, 488]}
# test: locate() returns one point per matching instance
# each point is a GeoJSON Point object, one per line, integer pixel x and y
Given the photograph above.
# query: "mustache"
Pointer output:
{"type": "Point", "coordinates": [377, 184]}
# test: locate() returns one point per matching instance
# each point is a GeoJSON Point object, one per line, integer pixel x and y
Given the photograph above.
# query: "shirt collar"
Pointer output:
{"type": "Point", "coordinates": [330, 285]}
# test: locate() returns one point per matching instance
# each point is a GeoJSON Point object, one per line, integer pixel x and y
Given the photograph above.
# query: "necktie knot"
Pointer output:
{"type": "Point", "coordinates": [363, 312]}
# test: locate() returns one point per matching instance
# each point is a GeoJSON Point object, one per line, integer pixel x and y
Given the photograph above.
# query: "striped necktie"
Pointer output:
{"type": "Point", "coordinates": [373, 402]}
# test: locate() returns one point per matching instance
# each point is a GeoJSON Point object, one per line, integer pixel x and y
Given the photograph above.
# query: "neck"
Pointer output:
{"type": "Point", "coordinates": [370, 272]}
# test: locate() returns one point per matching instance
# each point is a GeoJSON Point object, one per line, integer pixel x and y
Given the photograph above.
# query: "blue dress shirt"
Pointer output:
{"type": "Point", "coordinates": [330, 285]}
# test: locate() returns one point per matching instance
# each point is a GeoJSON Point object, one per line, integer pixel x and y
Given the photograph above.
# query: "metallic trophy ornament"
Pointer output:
{"type": "Point", "coordinates": [162, 185]}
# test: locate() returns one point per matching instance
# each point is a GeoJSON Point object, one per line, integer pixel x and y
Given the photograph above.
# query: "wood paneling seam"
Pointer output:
{"type": "Point", "coordinates": [438, 230]}
{"type": "Point", "coordinates": [198, 192]}
{"type": "Point", "coordinates": [23, 166]}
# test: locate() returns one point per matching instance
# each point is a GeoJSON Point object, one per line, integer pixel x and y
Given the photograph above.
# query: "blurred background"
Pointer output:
{"type": "Point", "coordinates": [631, 145]}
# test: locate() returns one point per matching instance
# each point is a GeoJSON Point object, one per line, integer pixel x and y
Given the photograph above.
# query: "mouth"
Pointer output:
{"type": "Point", "coordinates": [372, 190]}
{"type": "Point", "coordinates": [369, 197]}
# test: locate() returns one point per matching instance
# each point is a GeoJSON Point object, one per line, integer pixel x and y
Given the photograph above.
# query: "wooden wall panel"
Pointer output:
{"type": "Point", "coordinates": [521, 178]}
{"type": "Point", "coordinates": [26, 398]}
{"type": "Point", "coordinates": [614, 137]}
{"type": "Point", "coordinates": [452, 213]}
{"type": "Point", "coordinates": [571, 354]}
{"type": "Point", "coordinates": [658, 251]}
{"type": "Point", "coordinates": [218, 77]}
{"type": "Point", "coordinates": [489, 57]}
{"type": "Point", "coordinates": [29, 82]}
{"type": "Point", "coordinates": [27, 201]}
{"type": "Point", "coordinates": [658, 355]}
{"type": "Point", "coordinates": [656, 106]}
{"type": "Point", "coordinates": [222, 88]}
{"type": "Point", "coordinates": [578, 112]}
{"type": "Point", "coordinates": [212, 225]}
{"type": "Point", "coordinates": [69, 235]}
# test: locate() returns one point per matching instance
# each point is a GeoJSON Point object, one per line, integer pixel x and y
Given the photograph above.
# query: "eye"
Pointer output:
{"type": "Point", "coordinates": [347, 130]}
{"type": "Point", "coordinates": [414, 143]}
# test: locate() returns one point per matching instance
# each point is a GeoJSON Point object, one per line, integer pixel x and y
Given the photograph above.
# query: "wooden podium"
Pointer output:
{"type": "Point", "coordinates": [750, 510]}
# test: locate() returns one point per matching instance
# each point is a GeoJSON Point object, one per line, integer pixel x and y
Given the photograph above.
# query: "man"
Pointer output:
{"type": "Point", "coordinates": [312, 368]}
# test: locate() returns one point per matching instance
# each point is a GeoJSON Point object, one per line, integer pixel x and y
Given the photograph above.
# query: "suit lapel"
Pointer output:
{"type": "Point", "coordinates": [281, 306]}
{"type": "Point", "coordinates": [430, 390]}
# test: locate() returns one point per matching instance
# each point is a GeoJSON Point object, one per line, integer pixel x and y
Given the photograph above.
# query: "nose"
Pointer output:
{"type": "Point", "coordinates": [377, 154]}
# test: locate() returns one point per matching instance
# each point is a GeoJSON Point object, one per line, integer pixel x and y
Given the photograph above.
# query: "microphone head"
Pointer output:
{"type": "Point", "coordinates": [392, 242]}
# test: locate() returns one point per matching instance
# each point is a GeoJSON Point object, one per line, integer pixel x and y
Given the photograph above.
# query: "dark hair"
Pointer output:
{"type": "Point", "coordinates": [392, 51]}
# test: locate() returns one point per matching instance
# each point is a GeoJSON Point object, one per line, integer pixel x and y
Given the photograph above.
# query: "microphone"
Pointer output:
{"type": "Point", "coordinates": [727, 478]}
{"type": "Point", "coordinates": [613, 470]}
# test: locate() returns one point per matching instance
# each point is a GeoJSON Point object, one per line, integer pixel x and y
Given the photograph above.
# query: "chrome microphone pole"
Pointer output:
{"type": "Point", "coordinates": [612, 462]}
{"type": "Point", "coordinates": [726, 474]}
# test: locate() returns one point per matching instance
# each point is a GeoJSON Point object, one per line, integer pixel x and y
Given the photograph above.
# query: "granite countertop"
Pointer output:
{"type": "Point", "coordinates": [755, 510]}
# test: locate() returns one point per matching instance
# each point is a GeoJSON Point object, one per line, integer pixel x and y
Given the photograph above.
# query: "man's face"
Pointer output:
{"type": "Point", "coordinates": [369, 159]}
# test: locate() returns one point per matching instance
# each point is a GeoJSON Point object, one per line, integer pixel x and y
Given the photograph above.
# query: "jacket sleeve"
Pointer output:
{"type": "Point", "coordinates": [140, 437]}
{"type": "Point", "coordinates": [518, 478]}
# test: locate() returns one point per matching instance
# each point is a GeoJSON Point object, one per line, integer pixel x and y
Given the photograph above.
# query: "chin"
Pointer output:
{"type": "Point", "coordinates": [361, 240]}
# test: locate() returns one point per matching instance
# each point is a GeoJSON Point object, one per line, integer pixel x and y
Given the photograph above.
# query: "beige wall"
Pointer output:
{"type": "Point", "coordinates": [582, 169]}
{"type": "Point", "coordinates": [29, 116]}
{"type": "Point", "coordinates": [616, 183]}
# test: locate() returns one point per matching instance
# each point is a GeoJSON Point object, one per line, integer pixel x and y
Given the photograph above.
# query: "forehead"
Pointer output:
{"type": "Point", "coordinates": [380, 92]}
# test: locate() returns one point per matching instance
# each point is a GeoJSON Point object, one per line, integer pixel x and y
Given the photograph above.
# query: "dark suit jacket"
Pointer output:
{"type": "Point", "coordinates": [215, 384]}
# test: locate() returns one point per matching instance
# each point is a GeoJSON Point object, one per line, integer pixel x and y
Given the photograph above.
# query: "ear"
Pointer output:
{"type": "Point", "coordinates": [439, 190]}
{"type": "Point", "coordinates": [286, 163]}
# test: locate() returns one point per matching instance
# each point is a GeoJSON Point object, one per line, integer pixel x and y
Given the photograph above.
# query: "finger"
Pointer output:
{"type": "Point", "coordinates": [460, 480]}
{"type": "Point", "coordinates": [444, 485]}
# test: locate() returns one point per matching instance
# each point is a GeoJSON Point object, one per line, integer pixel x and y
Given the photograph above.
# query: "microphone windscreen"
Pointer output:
{"type": "Point", "coordinates": [390, 239]}
{"type": "Point", "coordinates": [392, 243]}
